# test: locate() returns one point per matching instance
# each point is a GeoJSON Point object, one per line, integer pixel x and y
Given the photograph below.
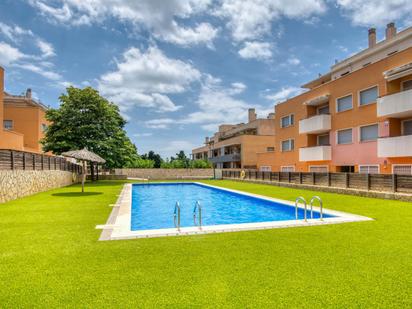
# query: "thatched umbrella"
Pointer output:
{"type": "Point", "coordinates": [84, 155]}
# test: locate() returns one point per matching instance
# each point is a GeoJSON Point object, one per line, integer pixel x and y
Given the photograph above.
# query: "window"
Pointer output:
{"type": "Point", "coordinates": [369, 133]}
{"type": "Point", "coordinates": [270, 149]}
{"type": "Point", "coordinates": [8, 124]}
{"type": "Point", "coordinates": [368, 96]}
{"type": "Point", "coordinates": [323, 110]}
{"type": "Point", "coordinates": [345, 136]}
{"type": "Point", "coordinates": [288, 145]}
{"type": "Point", "coordinates": [323, 140]}
{"type": "Point", "coordinates": [287, 121]}
{"type": "Point", "coordinates": [287, 169]}
{"type": "Point", "coordinates": [407, 127]}
{"type": "Point", "coordinates": [318, 169]}
{"type": "Point", "coordinates": [344, 104]}
{"type": "Point", "coordinates": [402, 169]}
{"type": "Point", "coordinates": [368, 169]}
{"type": "Point", "coordinates": [407, 85]}
{"type": "Point", "coordinates": [265, 168]}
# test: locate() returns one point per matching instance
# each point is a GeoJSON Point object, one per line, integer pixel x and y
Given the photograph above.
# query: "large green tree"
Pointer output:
{"type": "Point", "coordinates": [86, 119]}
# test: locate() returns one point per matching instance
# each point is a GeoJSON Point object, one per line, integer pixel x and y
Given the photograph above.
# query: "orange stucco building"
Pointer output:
{"type": "Point", "coordinates": [355, 118]}
{"type": "Point", "coordinates": [22, 120]}
{"type": "Point", "coordinates": [237, 146]}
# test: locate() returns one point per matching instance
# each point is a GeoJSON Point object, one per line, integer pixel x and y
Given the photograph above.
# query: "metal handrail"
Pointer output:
{"type": "Point", "coordinates": [300, 198]}
{"type": "Point", "coordinates": [197, 207]}
{"type": "Point", "coordinates": [321, 206]}
{"type": "Point", "coordinates": [176, 215]}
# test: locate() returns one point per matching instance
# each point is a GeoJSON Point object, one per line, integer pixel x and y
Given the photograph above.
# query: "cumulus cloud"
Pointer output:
{"type": "Point", "coordinates": [375, 12]}
{"type": "Point", "coordinates": [162, 123]}
{"type": "Point", "coordinates": [284, 94]}
{"type": "Point", "coordinates": [159, 17]}
{"type": "Point", "coordinates": [14, 32]}
{"type": "Point", "coordinates": [256, 50]}
{"type": "Point", "coordinates": [251, 19]}
{"type": "Point", "coordinates": [46, 48]}
{"type": "Point", "coordinates": [143, 78]}
{"type": "Point", "coordinates": [9, 54]}
{"type": "Point", "coordinates": [293, 61]}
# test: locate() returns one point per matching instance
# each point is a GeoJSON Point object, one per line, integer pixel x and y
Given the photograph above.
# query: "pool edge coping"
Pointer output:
{"type": "Point", "coordinates": [118, 225]}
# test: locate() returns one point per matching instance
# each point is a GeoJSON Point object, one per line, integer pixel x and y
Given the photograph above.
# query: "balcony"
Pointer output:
{"type": "Point", "coordinates": [315, 125]}
{"type": "Point", "coordinates": [396, 105]}
{"type": "Point", "coordinates": [317, 153]}
{"type": "Point", "coordinates": [392, 147]}
{"type": "Point", "coordinates": [234, 157]}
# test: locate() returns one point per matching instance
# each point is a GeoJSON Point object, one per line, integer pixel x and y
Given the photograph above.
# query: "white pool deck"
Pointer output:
{"type": "Point", "coordinates": [118, 226]}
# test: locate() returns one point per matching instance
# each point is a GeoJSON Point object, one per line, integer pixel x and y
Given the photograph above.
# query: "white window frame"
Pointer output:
{"type": "Point", "coordinates": [289, 139]}
{"type": "Point", "coordinates": [327, 168]}
{"type": "Point", "coordinates": [402, 87]}
{"type": "Point", "coordinates": [317, 138]}
{"type": "Point", "coordinates": [292, 167]}
{"type": "Point", "coordinates": [368, 165]}
{"type": "Point", "coordinates": [359, 133]}
{"type": "Point", "coordinates": [265, 168]}
{"type": "Point", "coordinates": [336, 103]}
{"type": "Point", "coordinates": [359, 97]}
{"type": "Point", "coordinates": [290, 122]}
{"type": "Point", "coordinates": [395, 165]}
{"type": "Point", "coordinates": [337, 139]}
{"type": "Point", "coordinates": [402, 129]}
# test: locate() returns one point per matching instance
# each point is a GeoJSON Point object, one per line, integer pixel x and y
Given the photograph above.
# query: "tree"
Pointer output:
{"type": "Point", "coordinates": [181, 160]}
{"type": "Point", "coordinates": [86, 119]}
{"type": "Point", "coordinates": [156, 158]}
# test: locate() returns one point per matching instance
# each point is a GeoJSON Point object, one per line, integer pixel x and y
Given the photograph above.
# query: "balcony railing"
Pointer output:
{"type": "Point", "coordinates": [234, 157]}
{"type": "Point", "coordinates": [315, 125]}
{"type": "Point", "coordinates": [391, 147]}
{"type": "Point", "coordinates": [317, 153]}
{"type": "Point", "coordinates": [395, 105]}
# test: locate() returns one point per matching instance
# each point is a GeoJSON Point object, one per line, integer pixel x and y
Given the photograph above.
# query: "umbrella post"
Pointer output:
{"type": "Point", "coordinates": [84, 175]}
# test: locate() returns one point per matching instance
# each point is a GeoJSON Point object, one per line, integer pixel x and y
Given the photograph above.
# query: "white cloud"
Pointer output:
{"type": "Point", "coordinates": [293, 61]}
{"type": "Point", "coordinates": [159, 17]}
{"type": "Point", "coordinates": [14, 33]}
{"type": "Point", "coordinates": [251, 19]}
{"type": "Point", "coordinates": [256, 50]}
{"type": "Point", "coordinates": [375, 12]}
{"type": "Point", "coordinates": [41, 71]}
{"type": "Point", "coordinates": [9, 54]}
{"type": "Point", "coordinates": [143, 134]}
{"type": "Point", "coordinates": [46, 48]}
{"type": "Point", "coordinates": [142, 78]}
{"type": "Point", "coordinates": [284, 94]}
{"type": "Point", "coordinates": [175, 146]}
{"type": "Point", "coordinates": [162, 123]}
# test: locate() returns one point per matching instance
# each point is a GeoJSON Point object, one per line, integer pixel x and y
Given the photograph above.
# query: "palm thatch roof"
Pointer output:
{"type": "Point", "coordinates": [84, 155]}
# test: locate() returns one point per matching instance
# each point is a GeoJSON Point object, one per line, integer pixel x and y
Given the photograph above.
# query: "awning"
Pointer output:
{"type": "Point", "coordinates": [398, 72]}
{"type": "Point", "coordinates": [318, 100]}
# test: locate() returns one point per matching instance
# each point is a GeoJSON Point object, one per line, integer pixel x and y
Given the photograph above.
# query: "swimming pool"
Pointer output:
{"type": "Point", "coordinates": [153, 206]}
{"type": "Point", "coordinates": [147, 210]}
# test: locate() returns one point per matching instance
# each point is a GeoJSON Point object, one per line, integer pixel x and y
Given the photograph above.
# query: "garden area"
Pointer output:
{"type": "Point", "coordinates": [51, 257]}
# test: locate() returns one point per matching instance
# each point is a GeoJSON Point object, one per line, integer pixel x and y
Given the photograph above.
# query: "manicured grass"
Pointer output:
{"type": "Point", "coordinates": [50, 257]}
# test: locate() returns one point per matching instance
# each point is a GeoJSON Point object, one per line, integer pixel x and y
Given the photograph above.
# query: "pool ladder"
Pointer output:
{"type": "Point", "coordinates": [313, 199]}
{"type": "Point", "coordinates": [176, 216]}
{"type": "Point", "coordinates": [197, 214]}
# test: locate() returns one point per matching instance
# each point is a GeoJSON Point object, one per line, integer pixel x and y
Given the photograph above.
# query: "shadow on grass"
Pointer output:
{"type": "Point", "coordinates": [76, 194]}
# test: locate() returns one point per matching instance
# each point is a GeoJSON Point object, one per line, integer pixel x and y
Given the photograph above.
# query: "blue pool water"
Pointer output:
{"type": "Point", "coordinates": [153, 206]}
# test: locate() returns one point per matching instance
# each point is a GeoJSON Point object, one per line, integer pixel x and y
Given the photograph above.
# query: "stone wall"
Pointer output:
{"type": "Point", "coordinates": [165, 173]}
{"type": "Point", "coordinates": [16, 184]}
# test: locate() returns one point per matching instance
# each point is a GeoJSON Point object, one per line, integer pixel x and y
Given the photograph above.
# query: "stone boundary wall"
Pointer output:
{"type": "Point", "coordinates": [166, 173]}
{"type": "Point", "coordinates": [364, 193]}
{"type": "Point", "coordinates": [18, 183]}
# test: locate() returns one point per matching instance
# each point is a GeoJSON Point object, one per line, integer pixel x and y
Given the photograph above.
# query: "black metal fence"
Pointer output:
{"type": "Point", "coordinates": [20, 160]}
{"type": "Point", "coordinates": [375, 182]}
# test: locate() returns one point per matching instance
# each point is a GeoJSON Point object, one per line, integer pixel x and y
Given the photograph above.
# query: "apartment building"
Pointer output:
{"type": "Point", "coordinates": [23, 120]}
{"type": "Point", "coordinates": [355, 118]}
{"type": "Point", "coordinates": [237, 146]}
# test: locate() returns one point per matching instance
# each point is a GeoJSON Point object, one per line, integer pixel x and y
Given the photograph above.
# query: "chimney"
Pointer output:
{"type": "Point", "coordinates": [28, 93]}
{"type": "Point", "coordinates": [207, 140]}
{"type": "Point", "coordinates": [390, 31]}
{"type": "Point", "coordinates": [372, 37]}
{"type": "Point", "coordinates": [251, 115]}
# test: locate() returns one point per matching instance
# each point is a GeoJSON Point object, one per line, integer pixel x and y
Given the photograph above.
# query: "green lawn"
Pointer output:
{"type": "Point", "coordinates": [50, 257]}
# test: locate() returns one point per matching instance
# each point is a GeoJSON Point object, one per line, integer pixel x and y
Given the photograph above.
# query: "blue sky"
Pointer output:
{"type": "Point", "coordinates": [179, 68]}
